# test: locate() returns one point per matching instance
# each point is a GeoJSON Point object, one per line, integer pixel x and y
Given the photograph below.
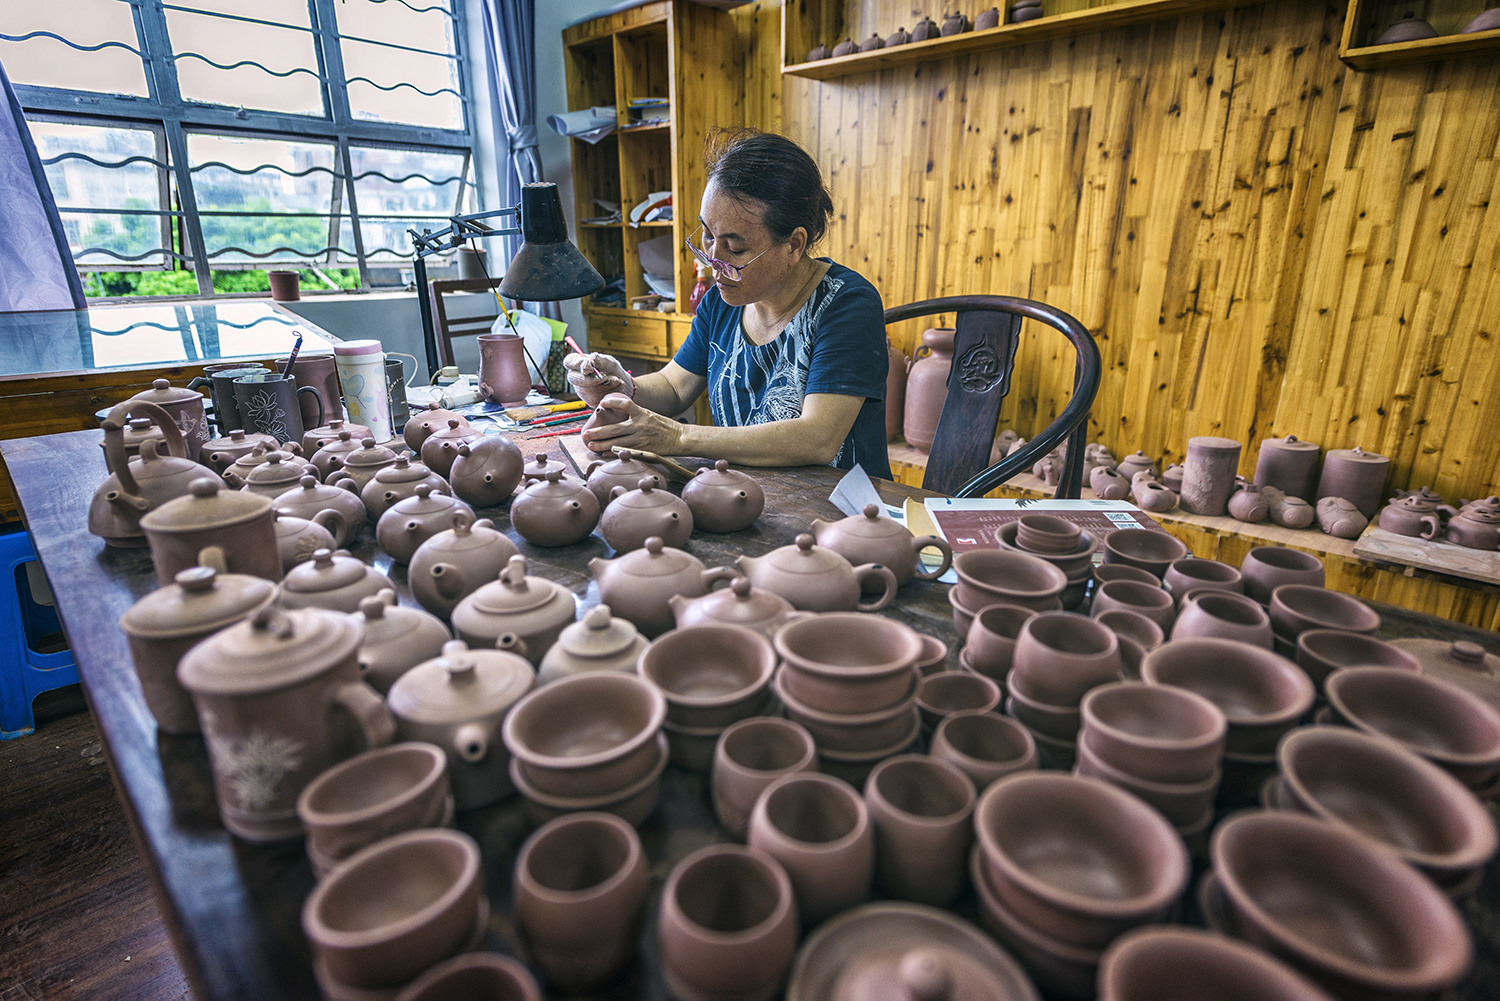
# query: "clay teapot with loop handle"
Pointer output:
{"type": "Point", "coordinates": [1476, 527]}
{"type": "Point", "coordinates": [817, 579]}
{"type": "Point", "coordinates": [144, 483]}
{"type": "Point", "coordinates": [454, 563]}
{"type": "Point", "coordinates": [310, 497]}
{"type": "Point", "coordinates": [639, 585]}
{"type": "Point", "coordinates": [874, 537]}
{"type": "Point", "coordinates": [633, 516]}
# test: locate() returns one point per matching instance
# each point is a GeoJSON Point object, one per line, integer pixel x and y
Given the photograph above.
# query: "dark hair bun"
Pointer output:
{"type": "Point", "coordinates": [774, 170]}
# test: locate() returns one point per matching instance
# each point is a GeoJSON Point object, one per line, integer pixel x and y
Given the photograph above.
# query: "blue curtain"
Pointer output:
{"type": "Point", "coordinates": [36, 267]}
{"type": "Point", "coordinates": [510, 55]}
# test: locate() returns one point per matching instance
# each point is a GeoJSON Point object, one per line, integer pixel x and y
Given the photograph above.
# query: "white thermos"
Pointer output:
{"type": "Point", "coordinates": [361, 367]}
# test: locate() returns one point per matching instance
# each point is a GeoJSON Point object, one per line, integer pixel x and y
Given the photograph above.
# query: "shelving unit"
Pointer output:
{"type": "Point", "coordinates": [1367, 19]}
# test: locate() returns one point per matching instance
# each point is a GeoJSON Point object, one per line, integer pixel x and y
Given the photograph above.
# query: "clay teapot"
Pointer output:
{"type": "Point", "coordinates": [424, 422]}
{"type": "Point", "coordinates": [1340, 518]}
{"type": "Point", "coordinates": [925, 29]}
{"type": "Point", "coordinates": [899, 37]}
{"type": "Point", "coordinates": [186, 409]}
{"type": "Point", "coordinates": [220, 453]}
{"type": "Point", "coordinates": [1485, 21]}
{"type": "Point", "coordinates": [143, 483]}
{"type": "Point", "coordinates": [600, 641]}
{"type": "Point", "coordinates": [213, 526]}
{"type": "Point", "coordinates": [1134, 463]}
{"type": "Point", "coordinates": [723, 499]}
{"type": "Point", "coordinates": [486, 471]}
{"type": "Point", "coordinates": [534, 609]}
{"type": "Point", "coordinates": [309, 497]}
{"type": "Point", "coordinates": [236, 472]}
{"type": "Point", "coordinates": [739, 604]}
{"type": "Point", "coordinates": [636, 515]}
{"type": "Point", "coordinates": [1171, 478]}
{"type": "Point", "coordinates": [1475, 527]}
{"type": "Point", "coordinates": [397, 482]}
{"type": "Point", "coordinates": [819, 51]}
{"type": "Point", "coordinates": [1407, 29]}
{"type": "Point", "coordinates": [540, 466]}
{"type": "Point", "coordinates": [320, 436]}
{"type": "Point", "coordinates": [458, 702]}
{"type": "Point", "coordinates": [396, 639]}
{"type": "Point", "coordinates": [817, 579]}
{"type": "Point", "coordinates": [1404, 515]}
{"type": "Point", "coordinates": [333, 580]}
{"type": "Point", "coordinates": [639, 585]}
{"type": "Point", "coordinates": [1489, 505]}
{"type": "Point", "coordinates": [557, 511]}
{"type": "Point", "coordinates": [298, 538]}
{"type": "Point", "coordinates": [872, 43]}
{"type": "Point", "coordinates": [874, 537]}
{"type": "Point", "coordinates": [987, 19]}
{"type": "Point", "coordinates": [281, 472]}
{"type": "Point", "coordinates": [1286, 510]}
{"type": "Point", "coordinates": [455, 562]}
{"type": "Point", "coordinates": [409, 523]}
{"type": "Point", "coordinates": [1108, 484]}
{"type": "Point", "coordinates": [137, 430]}
{"type": "Point", "coordinates": [441, 447]}
{"type": "Point", "coordinates": [845, 48]}
{"type": "Point", "coordinates": [360, 466]}
{"type": "Point", "coordinates": [603, 475]}
{"type": "Point", "coordinates": [955, 24]}
{"type": "Point", "coordinates": [1248, 504]}
{"type": "Point", "coordinates": [331, 455]}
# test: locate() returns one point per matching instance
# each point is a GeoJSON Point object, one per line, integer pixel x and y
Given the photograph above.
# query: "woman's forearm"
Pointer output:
{"type": "Point", "coordinates": [795, 442]}
{"type": "Point", "coordinates": [655, 392]}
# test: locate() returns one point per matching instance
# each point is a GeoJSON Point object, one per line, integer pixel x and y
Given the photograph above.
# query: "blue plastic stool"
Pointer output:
{"type": "Point", "coordinates": [24, 673]}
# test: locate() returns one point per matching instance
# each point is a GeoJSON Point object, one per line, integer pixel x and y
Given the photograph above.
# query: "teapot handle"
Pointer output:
{"type": "Point", "coordinates": [369, 711]}
{"type": "Point", "coordinates": [114, 438]}
{"type": "Point", "coordinates": [715, 575]}
{"type": "Point", "coordinates": [868, 570]}
{"type": "Point", "coordinates": [333, 520]}
{"type": "Point", "coordinates": [922, 542]}
{"type": "Point", "coordinates": [213, 556]}
{"type": "Point", "coordinates": [1431, 526]}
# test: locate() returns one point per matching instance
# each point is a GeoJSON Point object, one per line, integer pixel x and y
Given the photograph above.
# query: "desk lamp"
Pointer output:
{"type": "Point", "coordinates": [546, 268]}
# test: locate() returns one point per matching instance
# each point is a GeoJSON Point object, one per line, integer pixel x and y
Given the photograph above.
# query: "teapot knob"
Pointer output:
{"type": "Point", "coordinates": [160, 384]}
{"type": "Point", "coordinates": [403, 460]}
{"type": "Point", "coordinates": [323, 558]}
{"type": "Point", "coordinates": [597, 618]}
{"type": "Point", "coordinates": [514, 574]}
{"type": "Point", "coordinates": [805, 543]}
{"type": "Point", "coordinates": [424, 490]}
{"type": "Point", "coordinates": [872, 511]}
{"type": "Point", "coordinates": [367, 443]}
{"type": "Point", "coordinates": [453, 423]}
{"type": "Point", "coordinates": [308, 482]}
{"type": "Point", "coordinates": [654, 545]}
{"type": "Point", "coordinates": [274, 620]}
{"type": "Point", "coordinates": [741, 588]}
{"type": "Point", "coordinates": [463, 450]}
{"type": "Point", "coordinates": [196, 580]}
{"type": "Point", "coordinates": [541, 460]}
{"type": "Point", "coordinates": [645, 483]}
{"type": "Point", "coordinates": [346, 436]}
{"type": "Point", "coordinates": [722, 465]}
{"type": "Point", "coordinates": [1467, 652]}
{"type": "Point", "coordinates": [203, 487]}
{"type": "Point", "coordinates": [237, 435]}
{"type": "Point", "coordinates": [372, 607]}
{"type": "Point", "coordinates": [924, 976]}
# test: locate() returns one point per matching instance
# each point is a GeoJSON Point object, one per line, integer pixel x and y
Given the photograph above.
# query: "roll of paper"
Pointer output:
{"type": "Point", "coordinates": [574, 123]}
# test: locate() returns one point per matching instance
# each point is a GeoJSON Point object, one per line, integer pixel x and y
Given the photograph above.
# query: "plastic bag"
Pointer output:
{"type": "Point", "coordinates": [536, 335]}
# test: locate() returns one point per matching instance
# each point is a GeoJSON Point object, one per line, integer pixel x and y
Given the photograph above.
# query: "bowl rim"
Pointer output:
{"type": "Point", "coordinates": [1093, 721]}
{"type": "Point", "coordinates": [634, 856]}
{"type": "Point", "coordinates": [989, 900]}
{"type": "Point", "coordinates": [762, 648]}
{"type": "Point", "coordinates": [1157, 630]}
{"type": "Point", "coordinates": [512, 968]}
{"type": "Point", "coordinates": [1135, 533]}
{"type": "Point", "coordinates": [1217, 650]}
{"type": "Point", "coordinates": [1117, 567]}
{"type": "Point", "coordinates": [1058, 579]}
{"type": "Point", "coordinates": [1010, 723]}
{"type": "Point", "coordinates": [1307, 638]}
{"type": "Point", "coordinates": [1132, 783]}
{"type": "Point", "coordinates": [561, 689]}
{"type": "Point", "coordinates": [1199, 561]}
{"type": "Point", "coordinates": [1314, 566]}
{"type": "Point", "coordinates": [863, 827]}
{"type": "Point", "coordinates": [1359, 608]}
{"type": "Point", "coordinates": [990, 686]}
{"type": "Point", "coordinates": [1333, 689]}
{"type": "Point", "coordinates": [906, 642]}
{"type": "Point", "coordinates": [1216, 950]}
{"type": "Point", "coordinates": [599, 801]}
{"type": "Point", "coordinates": [825, 718]}
{"type": "Point", "coordinates": [1133, 587]}
{"type": "Point", "coordinates": [315, 817]}
{"type": "Point", "coordinates": [874, 795]}
{"type": "Point", "coordinates": [785, 902]}
{"type": "Point", "coordinates": [863, 757]}
{"type": "Point", "coordinates": [809, 754]}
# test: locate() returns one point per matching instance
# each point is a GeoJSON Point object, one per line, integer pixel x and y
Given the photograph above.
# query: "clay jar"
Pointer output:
{"type": "Point", "coordinates": [1289, 465]}
{"type": "Point", "coordinates": [486, 470]}
{"type": "Point", "coordinates": [331, 455]}
{"type": "Point", "coordinates": [298, 538]}
{"type": "Point", "coordinates": [424, 422]}
{"type": "Point", "coordinates": [311, 497]}
{"type": "Point", "coordinates": [921, 808]}
{"type": "Point", "coordinates": [396, 639]}
{"type": "Point", "coordinates": [984, 746]}
{"type": "Point", "coordinates": [580, 887]}
{"type": "Point", "coordinates": [1061, 655]}
{"type": "Point", "coordinates": [750, 755]}
{"type": "Point", "coordinates": [281, 472]}
{"type": "Point", "coordinates": [819, 829]}
{"type": "Point", "coordinates": [817, 579]}
{"type": "Point", "coordinates": [168, 622]}
{"type": "Point", "coordinates": [332, 580]}
{"type": "Point", "coordinates": [440, 448]}
{"type": "Point", "coordinates": [873, 537]}
{"type": "Point", "coordinates": [397, 482]}
{"type": "Point", "coordinates": [1355, 475]}
{"type": "Point", "coordinates": [135, 486]}
{"type": "Point", "coordinates": [534, 609]}
{"type": "Point", "coordinates": [1248, 504]}
{"type": "Point", "coordinates": [320, 436]}
{"type": "Point", "coordinates": [1208, 474]}
{"type": "Point", "coordinates": [927, 380]}
{"type": "Point", "coordinates": [185, 406]}
{"type": "Point", "coordinates": [361, 465]}
{"type": "Point", "coordinates": [640, 585]}
{"type": "Point", "coordinates": [459, 702]}
{"type": "Point", "coordinates": [606, 474]}
{"type": "Point", "coordinates": [410, 522]}
{"type": "Point", "coordinates": [268, 691]}
{"type": "Point", "coordinates": [634, 516]}
{"type": "Point", "coordinates": [740, 604]}
{"type": "Point", "coordinates": [229, 530]}
{"type": "Point", "coordinates": [455, 562]}
{"type": "Point", "coordinates": [598, 642]}
{"type": "Point", "coordinates": [557, 511]}
{"type": "Point", "coordinates": [723, 499]}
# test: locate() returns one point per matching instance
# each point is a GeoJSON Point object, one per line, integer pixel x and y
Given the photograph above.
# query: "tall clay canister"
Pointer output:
{"type": "Point", "coordinates": [1355, 475]}
{"type": "Point", "coordinates": [1208, 475]}
{"type": "Point", "coordinates": [927, 387]}
{"type": "Point", "coordinates": [895, 390]}
{"type": "Point", "coordinates": [1289, 464]}
{"type": "Point", "coordinates": [503, 376]}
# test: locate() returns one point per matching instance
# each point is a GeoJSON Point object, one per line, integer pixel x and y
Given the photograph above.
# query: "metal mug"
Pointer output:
{"type": "Point", "coordinates": [316, 370]}
{"type": "Point", "coordinates": [220, 382]}
{"type": "Point", "coordinates": [270, 403]}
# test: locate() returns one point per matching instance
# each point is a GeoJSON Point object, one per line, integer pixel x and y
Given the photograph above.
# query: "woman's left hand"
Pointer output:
{"type": "Point", "coordinates": [641, 429]}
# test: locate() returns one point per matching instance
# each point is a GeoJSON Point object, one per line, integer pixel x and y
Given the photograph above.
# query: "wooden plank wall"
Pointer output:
{"type": "Point", "coordinates": [1262, 240]}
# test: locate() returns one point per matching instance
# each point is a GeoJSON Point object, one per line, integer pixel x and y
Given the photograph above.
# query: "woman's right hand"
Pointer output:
{"type": "Point", "coordinates": [594, 376]}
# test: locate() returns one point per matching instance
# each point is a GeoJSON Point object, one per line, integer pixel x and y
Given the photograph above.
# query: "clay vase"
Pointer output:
{"type": "Point", "coordinates": [360, 466]}
{"type": "Point", "coordinates": [874, 537]}
{"type": "Point", "coordinates": [397, 639]}
{"type": "Point", "coordinates": [557, 511]}
{"type": "Point", "coordinates": [723, 499]}
{"type": "Point", "coordinates": [441, 447]}
{"type": "Point", "coordinates": [922, 809]}
{"type": "Point", "coordinates": [397, 482]}
{"type": "Point", "coordinates": [485, 472]}
{"type": "Point", "coordinates": [895, 377]}
{"type": "Point", "coordinates": [900, 37]}
{"type": "Point", "coordinates": [1487, 21]}
{"type": "Point", "coordinates": [229, 530]}
{"type": "Point", "coordinates": [503, 377]}
{"type": "Point", "coordinates": [332, 580]}
{"type": "Point", "coordinates": [749, 756]}
{"type": "Point", "coordinates": [1355, 475]}
{"type": "Point", "coordinates": [1408, 29]}
{"type": "Point", "coordinates": [1152, 496]}
{"type": "Point", "coordinates": [186, 409]}
{"type": "Point", "coordinates": [1289, 464]}
{"type": "Point", "coordinates": [599, 642]}
{"type": "Point", "coordinates": [310, 497]}
{"type": "Point", "coordinates": [603, 475]}
{"type": "Point", "coordinates": [1340, 518]}
{"type": "Point", "coordinates": [987, 19]}
{"type": "Point", "coordinates": [816, 579]}
{"type": "Point", "coordinates": [925, 29]}
{"type": "Point", "coordinates": [534, 609]}
{"type": "Point", "coordinates": [424, 422]}
{"type": "Point", "coordinates": [455, 562]}
{"type": "Point", "coordinates": [955, 24]}
{"type": "Point", "coordinates": [817, 52]}
{"type": "Point", "coordinates": [1136, 462]}
{"type": "Point", "coordinates": [580, 885]}
{"type": "Point", "coordinates": [819, 829]}
{"type": "Point", "coordinates": [927, 380]}
{"type": "Point", "coordinates": [872, 43]}
{"type": "Point", "coordinates": [636, 515]}
{"type": "Point", "coordinates": [640, 584]}
{"type": "Point", "coordinates": [845, 48]}
{"type": "Point", "coordinates": [1108, 484]}
{"type": "Point", "coordinates": [1208, 474]}
{"type": "Point", "coordinates": [1248, 504]}
{"type": "Point", "coordinates": [298, 538]}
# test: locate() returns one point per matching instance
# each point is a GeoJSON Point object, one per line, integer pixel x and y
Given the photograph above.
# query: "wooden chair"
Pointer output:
{"type": "Point", "coordinates": [984, 354]}
{"type": "Point", "coordinates": [447, 328]}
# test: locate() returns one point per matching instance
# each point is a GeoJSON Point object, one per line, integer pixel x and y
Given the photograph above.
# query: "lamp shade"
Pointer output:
{"type": "Point", "coordinates": [547, 267]}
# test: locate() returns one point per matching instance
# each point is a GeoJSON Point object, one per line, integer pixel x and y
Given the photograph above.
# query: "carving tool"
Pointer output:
{"type": "Point", "coordinates": [559, 419]}
{"type": "Point", "coordinates": [524, 414]}
{"type": "Point", "coordinates": [554, 434]}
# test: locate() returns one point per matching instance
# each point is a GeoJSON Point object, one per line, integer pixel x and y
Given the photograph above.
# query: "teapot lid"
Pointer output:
{"type": "Point", "coordinates": [436, 416]}
{"type": "Point", "coordinates": [805, 556]}
{"type": "Point", "coordinates": [138, 428]}
{"type": "Point", "coordinates": [208, 504]}
{"type": "Point", "coordinates": [513, 591]}
{"type": "Point", "coordinates": [155, 461]}
{"type": "Point", "coordinates": [720, 475]}
{"type": "Point", "coordinates": [871, 523]}
{"type": "Point", "coordinates": [404, 470]}
{"type": "Point", "coordinates": [201, 601]}
{"type": "Point", "coordinates": [343, 443]}
{"type": "Point", "coordinates": [648, 494]}
{"type": "Point", "coordinates": [655, 559]}
{"type": "Point", "coordinates": [385, 621]}
{"type": "Point", "coordinates": [461, 685]}
{"type": "Point", "coordinates": [370, 454]}
{"type": "Point", "coordinates": [162, 391]}
{"type": "Point", "coordinates": [273, 648]}
{"type": "Point", "coordinates": [743, 605]}
{"type": "Point", "coordinates": [237, 440]}
{"type": "Point", "coordinates": [539, 467]}
{"type": "Point", "coordinates": [598, 634]}
{"type": "Point", "coordinates": [628, 465]}
{"type": "Point", "coordinates": [279, 466]}
{"type": "Point", "coordinates": [326, 571]}
{"type": "Point", "coordinates": [425, 501]}
{"type": "Point", "coordinates": [457, 428]}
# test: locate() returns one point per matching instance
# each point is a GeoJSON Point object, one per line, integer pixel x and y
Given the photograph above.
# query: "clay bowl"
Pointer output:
{"type": "Point", "coordinates": [854, 766]}
{"type": "Point", "coordinates": [749, 756]}
{"type": "Point", "coordinates": [586, 736]}
{"type": "Point", "coordinates": [1046, 533]}
{"type": "Point", "coordinates": [633, 802]}
{"type": "Point", "coordinates": [1158, 733]}
{"type": "Point", "coordinates": [1453, 728]}
{"type": "Point", "coordinates": [371, 796]}
{"type": "Point", "coordinates": [1320, 652]}
{"type": "Point", "coordinates": [1215, 613]}
{"type": "Point", "coordinates": [1345, 911]}
{"type": "Point", "coordinates": [934, 655]}
{"type": "Point", "coordinates": [711, 675]}
{"type": "Point", "coordinates": [857, 732]}
{"type": "Point", "coordinates": [1128, 624]}
{"type": "Point", "coordinates": [922, 811]}
{"type": "Point", "coordinates": [1378, 789]}
{"type": "Point", "coordinates": [1052, 754]}
{"type": "Point", "coordinates": [1265, 568]}
{"type": "Point", "coordinates": [1143, 548]}
{"type": "Point", "coordinates": [395, 908]}
{"type": "Point", "coordinates": [1045, 719]}
{"type": "Point", "coordinates": [991, 640]}
{"type": "Point", "coordinates": [1107, 572]}
{"type": "Point", "coordinates": [963, 616]}
{"type": "Point", "coordinates": [692, 747]}
{"type": "Point", "coordinates": [996, 576]}
{"type": "Point", "coordinates": [819, 829]}
{"type": "Point", "coordinates": [948, 692]}
{"type": "Point", "coordinates": [1061, 655]}
{"type": "Point", "coordinates": [984, 746]}
{"type": "Point", "coordinates": [1077, 564]}
{"type": "Point", "coordinates": [1191, 573]}
{"type": "Point", "coordinates": [846, 662]}
{"type": "Point", "coordinates": [1077, 858]}
{"type": "Point", "coordinates": [1296, 608]}
{"type": "Point", "coordinates": [474, 976]}
{"type": "Point", "coordinates": [1262, 695]}
{"type": "Point", "coordinates": [1131, 655]}
{"type": "Point", "coordinates": [1184, 804]}
{"type": "Point", "coordinates": [1143, 599]}
{"type": "Point", "coordinates": [1187, 964]}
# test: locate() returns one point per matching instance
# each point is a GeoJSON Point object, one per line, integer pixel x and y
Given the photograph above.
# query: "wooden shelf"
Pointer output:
{"type": "Point", "coordinates": [601, 225]}
{"type": "Point", "coordinates": [654, 127]}
{"type": "Point", "coordinates": [1373, 57]}
{"type": "Point", "coordinates": [1366, 20]}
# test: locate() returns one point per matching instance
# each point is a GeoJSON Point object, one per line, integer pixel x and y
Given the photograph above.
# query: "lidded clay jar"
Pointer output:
{"type": "Point", "coordinates": [1355, 475]}
{"type": "Point", "coordinates": [320, 436]}
{"type": "Point", "coordinates": [441, 447]}
{"type": "Point", "coordinates": [1289, 464]}
{"type": "Point", "coordinates": [221, 453]}
{"type": "Point", "coordinates": [279, 473]}
{"type": "Point", "coordinates": [555, 511]}
{"type": "Point", "coordinates": [817, 579]}
{"type": "Point", "coordinates": [640, 584]}
{"type": "Point", "coordinates": [298, 538]}
{"type": "Point", "coordinates": [229, 530]}
{"type": "Point", "coordinates": [310, 497]}
{"type": "Point", "coordinates": [723, 499]}
{"type": "Point", "coordinates": [396, 639]}
{"type": "Point", "coordinates": [397, 482]}
{"type": "Point", "coordinates": [604, 475]}
{"type": "Point", "coordinates": [331, 456]}
{"type": "Point", "coordinates": [533, 608]}
{"type": "Point", "coordinates": [331, 580]}
{"type": "Point", "coordinates": [170, 621]}
{"type": "Point", "coordinates": [873, 537]}
{"type": "Point", "coordinates": [636, 515]}
{"type": "Point", "coordinates": [486, 470]}
{"type": "Point", "coordinates": [540, 466]}
{"type": "Point", "coordinates": [458, 702]}
{"type": "Point", "coordinates": [363, 463]}
{"type": "Point", "coordinates": [410, 522]}
{"type": "Point", "coordinates": [424, 422]}
{"type": "Point", "coordinates": [598, 642]}
{"type": "Point", "coordinates": [739, 604]}
{"type": "Point", "coordinates": [456, 562]}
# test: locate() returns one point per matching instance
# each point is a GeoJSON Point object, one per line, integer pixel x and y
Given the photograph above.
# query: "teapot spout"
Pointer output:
{"type": "Point", "coordinates": [130, 504]}
{"type": "Point", "coordinates": [449, 580]}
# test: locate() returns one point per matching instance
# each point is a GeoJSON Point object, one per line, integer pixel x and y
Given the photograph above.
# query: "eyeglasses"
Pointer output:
{"type": "Point", "coordinates": [730, 271]}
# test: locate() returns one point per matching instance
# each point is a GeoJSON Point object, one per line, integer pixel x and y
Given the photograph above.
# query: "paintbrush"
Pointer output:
{"type": "Point", "coordinates": [524, 414]}
{"type": "Point", "coordinates": [292, 360]}
{"type": "Point", "coordinates": [559, 419]}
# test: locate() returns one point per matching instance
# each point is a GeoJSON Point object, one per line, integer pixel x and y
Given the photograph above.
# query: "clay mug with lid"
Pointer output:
{"type": "Point", "coordinates": [270, 403]}
{"type": "Point", "coordinates": [818, 828]}
{"type": "Point", "coordinates": [723, 499]}
{"type": "Point", "coordinates": [280, 700]}
{"type": "Point", "coordinates": [922, 809]}
{"type": "Point", "coordinates": [397, 639]}
{"type": "Point", "coordinates": [456, 562]}
{"type": "Point", "coordinates": [639, 585]}
{"type": "Point", "coordinates": [186, 408]}
{"type": "Point", "coordinates": [229, 530]}
{"type": "Point", "coordinates": [817, 579]}
{"type": "Point", "coordinates": [874, 537]}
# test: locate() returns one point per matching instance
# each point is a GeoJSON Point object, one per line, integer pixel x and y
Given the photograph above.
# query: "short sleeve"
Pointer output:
{"type": "Point", "coordinates": [849, 357]}
{"type": "Point", "coordinates": [693, 355]}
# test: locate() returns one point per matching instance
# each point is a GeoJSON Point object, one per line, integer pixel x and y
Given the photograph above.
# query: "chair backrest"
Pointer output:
{"type": "Point", "coordinates": [447, 327]}
{"type": "Point", "coordinates": [988, 330]}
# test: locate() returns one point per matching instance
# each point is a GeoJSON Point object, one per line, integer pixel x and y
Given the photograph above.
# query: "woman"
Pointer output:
{"type": "Point", "coordinates": [790, 347]}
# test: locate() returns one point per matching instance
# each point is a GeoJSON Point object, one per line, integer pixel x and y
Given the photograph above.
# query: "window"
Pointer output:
{"type": "Point", "coordinates": [192, 144]}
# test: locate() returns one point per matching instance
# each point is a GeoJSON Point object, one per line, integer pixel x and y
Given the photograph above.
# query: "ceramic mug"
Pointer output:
{"type": "Point", "coordinates": [220, 382]}
{"type": "Point", "coordinates": [270, 403]}
{"type": "Point", "coordinates": [320, 372]}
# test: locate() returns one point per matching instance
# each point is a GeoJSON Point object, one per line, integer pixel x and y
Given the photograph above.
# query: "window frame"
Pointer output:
{"type": "Point", "coordinates": [166, 111]}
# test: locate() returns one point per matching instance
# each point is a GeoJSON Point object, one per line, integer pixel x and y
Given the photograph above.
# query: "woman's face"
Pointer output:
{"type": "Point", "coordinates": [733, 231]}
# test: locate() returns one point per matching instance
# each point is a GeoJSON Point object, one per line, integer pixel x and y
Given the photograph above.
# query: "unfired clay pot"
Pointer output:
{"type": "Point", "coordinates": [298, 538]}
{"type": "Point", "coordinates": [955, 24]}
{"type": "Point", "coordinates": [1407, 29]}
{"type": "Point", "coordinates": [557, 511]}
{"type": "Point", "coordinates": [1262, 695]}
{"type": "Point", "coordinates": [1289, 464]}
{"type": "Point", "coordinates": [331, 455]}
{"type": "Point", "coordinates": [1355, 475]}
{"type": "Point", "coordinates": [1157, 962]}
{"type": "Point", "coordinates": [362, 465]}
{"type": "Point", "coordinates": [1108, 484]}
{"type": "Point", "coordinates": [311, 497]}
{"type": "Point", "coordinates": [1286, 510]}
{"type": "Point", "coordinates": [873, 537]}
{"type": "Point", "coordinates": [540, 466]}
{"type": "Point", "coordinates": [819, 829]}
{"type": "Point", "coordinates": [900, 37]}
{"type": "Point", "coordinates": [819, 51]}
{"type": "Point", "coordinates": [748, 756]}
{"type": "Point", "coordinates": [217, 453]}
{"type": "Point", "coordinates": [1136, 462]}
{"type": "Point", "coordinates": [816, 579]}
{"type": "Point", "coordinates": [424, 422]}
{"type": "Point", "coordinates": [598, 642]}
{"type": "Point", "coordinates": [1248, 504]}
{"type": "Point", "coordinates": [281, 472]}
{"type": "Point", "coordinates": [1208, 474]}
{"type": "Point", "coordinates": [1214, 612]}
{"type": "Point", "coordinates": [1265, 568]}
{"type": "Point", "coordinates": [454, 563]}
{"type": "Point", "coordinates": [1060, 656]}
{"type": "Point", "coordinates": [606, 474]}
{"type": "Point", "coordinates": [319, 436]}
{"type": "Point", "coordinates": [440, 448]}
{"type": "Point", "coordinates": [739, 604]}
{"type": "Point", "coordinates": [332, 580]}
{"type": "Point", "coordinates": [723, 499]}
{"type": "Point", "coordinates": [845, 48]}
{"type": "Point", "coordinates": [483, 976]}
{"type": "Point", "coordinates": [186, 409]}
{"type": "Point", "coordinates": [987, 19]}
{"type": "Point", "coordinates": [639, 585]}
{"type": "Point", "coordinates": [712, 675]}
{"type": "Point", "coordinates": [633, 516]}
{"type": "Point", "coordinates": [135, 486]}
{"type": "Point", "coordinates": [1487, 21]}
{"type": "Point", "coordinates": [534, 609]}
{"type": "Point", "coordinates": [229, 530]}
{"type": "Point", "coordinates": [397, 482]}
{"type": "Point", "coordinates": [1403, 516]}
{"type": "Point", "coordinates": [925, 29]}
{"type": "Point", "coordinates": [927, 380]}
{"type": "Point", "coordinates": [409, 523]}
{"type": "Point", "coordinates": [872, 43]}
{"type": "Point", "coordinates": [1340, 518]}
{"type": "Point", "coordinates": [922, 811]}
{"type": "Point", "coordinates": [1473, 528]}
{"type": "Point", "coordinates": [486, 470]}
{"type": "Point", "coordinates": [1152, 496]}
{"type": "Point", "coordinates": [397, 639]}
{"type": "Point", "coordinates": [984, 745]}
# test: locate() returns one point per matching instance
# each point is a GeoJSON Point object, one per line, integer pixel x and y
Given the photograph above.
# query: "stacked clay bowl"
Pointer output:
{"type": "Point", "coordinates": [948, 692]}
{"type": "Point", "coordinates": [1002, 577]}
{"type": "Point", "coordinates": [1376, 788]}
{"type": "Point", "coordinates": [1066, 864]}
{"type": "Point", "coordinates": [711, 676]}
{"type": "Point", "coordinates": [1143, 548]}
{"type": "Point", "coordinates": [990, 644]}
{"type": "Point", "coordinates": [1136, 634]}
{"type": "Point", "coordinates": [1320, 652]}
{"type": "Point", "coordinates": [1059, 542]}
{"type": "Point", "coordinates": [1296, 608]}
{"type": "Point", "coordinates": [1188, 964]}
{"type": "Point", "coordinates": [589, 742]}
{"type": "Point", "coordinates": [1059, 656]}
{"type": "Point", "coordinates": [1144, 599]}
{"type": "Point", "coordinates": [851, 680]}
{"type": "Point", "coordinates": [1161, 743]}
{"type": "Point", "coordinates": [1338, 907]}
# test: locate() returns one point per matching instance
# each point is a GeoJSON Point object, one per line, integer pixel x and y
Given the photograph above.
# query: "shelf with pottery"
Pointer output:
{"type": "Point", "coordinates": [1368, 20]}
{"type": "Point", "coordinates": [1408, 555]}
